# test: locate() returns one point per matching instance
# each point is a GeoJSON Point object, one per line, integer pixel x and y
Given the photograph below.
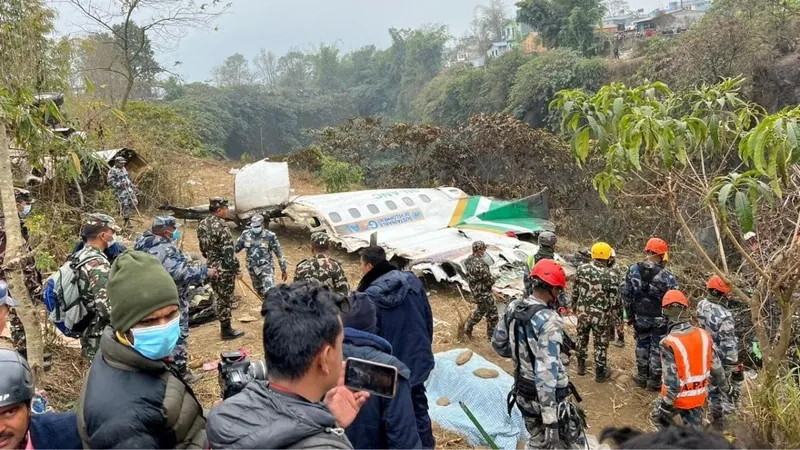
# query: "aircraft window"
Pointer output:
{"type": "Point", "coordinates": [391, 205]}
{"type": "Point", "coordinates": [425, 198]}
{"type": "Point", "coordinates": [373, 209]}
{"type": "Point", "coordinates": [335, 217]}
{"type": "Point", "coordinates": [408, 201]}
{"type": "Point", "coordinates": [313, 222]}
{"type": "Point", "coordinates": [354, 213]}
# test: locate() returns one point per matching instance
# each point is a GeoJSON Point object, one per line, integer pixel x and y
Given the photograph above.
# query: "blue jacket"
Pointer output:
{"type": "Point", "coordinates": [382, 422]}
{"type": "Point", "coordinates": [405, 320]}
{"type": "Point", "coordinates": [55, 430]}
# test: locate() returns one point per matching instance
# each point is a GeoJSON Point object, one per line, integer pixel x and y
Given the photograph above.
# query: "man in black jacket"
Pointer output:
{"type": "Point", "coordinates": [382, 422]}
{"type": "Point", "coordinates": [304, 404]}
{"type": "Point", "coordinates": [18, 427]}
{"type": "Point", "coordinates": [132, 398]}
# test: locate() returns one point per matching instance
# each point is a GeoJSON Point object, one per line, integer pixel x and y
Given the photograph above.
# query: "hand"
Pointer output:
{"type": "Point", "coordinates": [345, 404]}
{"type": "Point", "coordinates": [562, 311]}
{"type": "Point", "coordinates": [213, 273]}
{"type": "Point", "coordinates": [284, 276]}
{"type": "Point", "coordinates": [551, 438]}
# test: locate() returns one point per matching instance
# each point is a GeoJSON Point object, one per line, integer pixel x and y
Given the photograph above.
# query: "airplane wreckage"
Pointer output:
{"type": "Point", "coordinates": [427, 231]}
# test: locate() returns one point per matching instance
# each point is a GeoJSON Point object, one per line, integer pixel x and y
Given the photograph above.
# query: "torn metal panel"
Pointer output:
{"type": "Point", "coordinates": [431, 230]}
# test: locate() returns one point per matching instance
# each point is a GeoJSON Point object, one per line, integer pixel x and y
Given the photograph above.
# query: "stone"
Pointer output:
{"type": "Point", "coordinates": [463, 357]}
{"type": "Point", "coordinates": [486, 373]}
{"type": "Point", "coordinates": [443, 401]}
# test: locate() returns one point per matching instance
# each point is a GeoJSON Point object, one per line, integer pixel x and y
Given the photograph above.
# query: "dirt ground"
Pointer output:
{"type": "Point", "coordinates": [614, 403]}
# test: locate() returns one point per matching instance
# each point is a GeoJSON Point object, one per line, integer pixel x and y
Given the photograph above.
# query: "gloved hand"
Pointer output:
{"type": "Point", "coordinates": [666, 414]}
{"type": "Point", "coordinates": [551, 438]}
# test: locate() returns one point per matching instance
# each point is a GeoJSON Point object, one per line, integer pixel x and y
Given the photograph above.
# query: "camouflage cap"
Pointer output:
{"type": "Point", "coordinates": [23, 195]}
{"type": "Point", "coordinates": [101, 220]}
{"type": "Point", "coordinates": [164, 222]}
{"type": "Point", "coordinates": [478, 246]}
{"type": "Point", "coordinates": [319, 238]}
{"type": "Point", "coordinates": [257, 220]}
{"type": "Point", "coordinates": [217, 202]}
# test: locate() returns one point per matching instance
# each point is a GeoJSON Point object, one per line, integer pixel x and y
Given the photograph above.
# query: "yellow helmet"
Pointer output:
{"type": "Point", "coordinates": [601, 250]}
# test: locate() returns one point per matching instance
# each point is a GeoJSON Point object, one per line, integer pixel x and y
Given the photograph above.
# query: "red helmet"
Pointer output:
{"type": "Point", "coordinates": [718, 284]}
{"type": "Point", "coordinates": [674, 296]}
{"type": "Point", "coordinates": [656, 246]}
{"type": "Point", "coordinates": [550, 272]}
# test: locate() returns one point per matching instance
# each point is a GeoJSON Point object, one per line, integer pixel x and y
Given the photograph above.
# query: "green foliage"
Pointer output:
{"type": "Point", "coordinates": [564, 23]}
{"type": "Point", "coordinates": [339, 176]}
{"type": "Point", "coordinates": [538, 80]}
{"type": "Point", "coordinates": [453, 98]}
{"type": "Point", "coordinates": [163, 128]}
{"type": "Point", "coordinates": [234, 71]}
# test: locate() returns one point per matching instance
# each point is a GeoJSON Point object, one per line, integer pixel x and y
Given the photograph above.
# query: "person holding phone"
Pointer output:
{"type": "Point", "coordinates": [304, 403]}
{"type": "Point", "coordinates": [382, 422]}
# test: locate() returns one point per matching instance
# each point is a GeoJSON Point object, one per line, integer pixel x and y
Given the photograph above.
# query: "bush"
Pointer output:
{"type": "Point", "coordinates": [339, 176]}
{"type": "Point", "coordinates": [771, 413]}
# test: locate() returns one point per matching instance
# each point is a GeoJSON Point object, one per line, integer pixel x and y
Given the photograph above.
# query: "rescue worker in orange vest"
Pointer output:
{"type": "Point", "coordinates": [688, 364]}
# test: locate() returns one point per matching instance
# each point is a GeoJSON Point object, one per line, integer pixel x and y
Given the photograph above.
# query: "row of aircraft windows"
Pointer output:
{"type": "Point", "coordinates": [373, 209]}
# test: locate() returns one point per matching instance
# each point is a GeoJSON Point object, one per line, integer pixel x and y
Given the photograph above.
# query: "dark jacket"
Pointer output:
{"type": "Point", "coordinates": [382, 422]}
{"type": "Point", "coordinates": [129, 401]}
{"type": "Point", "coordinates": [404, 317]}
{"type": "Point", "coordinates": [260, 417]}
{"type": "Point", "coordinates": [55, 430]}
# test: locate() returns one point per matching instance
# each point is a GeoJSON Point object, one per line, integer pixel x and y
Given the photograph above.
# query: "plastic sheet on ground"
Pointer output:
{"type": "Point", "coordinates": [486, 398]}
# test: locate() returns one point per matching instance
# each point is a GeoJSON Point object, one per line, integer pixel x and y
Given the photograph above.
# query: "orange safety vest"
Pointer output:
{"type": "Point", "coordinates": [692, 352]}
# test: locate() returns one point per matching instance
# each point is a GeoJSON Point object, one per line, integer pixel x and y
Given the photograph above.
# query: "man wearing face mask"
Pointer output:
{"type": "Point", "coordinates": [100, 231]}
{"type": "Point", "coordinates": [259, 245]}
{"type": "Point", "coordinates": [480, 281]}
{"type": "Point", "coordinates": [216, 245]}
{"type": "Point", "coordinates": [132, 398]}
{"type": "Point", "coordinates": [531, 334]}
{"type": "Point", "coordinates": [33, 279]}
{"type": "Point", "coordinates": [159, 241]}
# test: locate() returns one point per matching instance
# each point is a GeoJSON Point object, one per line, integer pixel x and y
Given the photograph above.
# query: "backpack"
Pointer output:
{"type": "Point", "coordinates": [66, 305]}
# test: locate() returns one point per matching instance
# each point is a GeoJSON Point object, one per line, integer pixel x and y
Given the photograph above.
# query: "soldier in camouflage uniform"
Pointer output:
{"type": "Point", "coordinates": [216, 245]}
{"type": "Point", "coordinates": [121, 184]}
{"type": "Point", "coordinates": [684, 393]}
{"type": "Point", "coordinates": [596, 294]}
{"type": "Point", "coordinates": [480, 281]}
{"type": "Point", "coordinates": [531, 334]}
{"type": "Point", "coordinates": [100, 231]}
{"type": "Point", "coordinates": [260, 244]}
{"type": "Point", "coordinates": [159, 241]}
{"type": "Point", "coordinates": [6, 304]}
{"type": "Point", "coordinates": [32, 277]}
{"type": "Point", "coordinates": [321, 269]}
{"type": "Point", "coordinates": [644, 286]}
{"type": "Point", "coordinates": [619, 313]}
{"type": "Point", "coordinates": [714, 317]}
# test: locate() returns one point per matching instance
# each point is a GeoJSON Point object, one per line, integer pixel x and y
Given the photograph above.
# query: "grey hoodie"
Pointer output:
{"type": "Point", "coordinates": [259, 417]}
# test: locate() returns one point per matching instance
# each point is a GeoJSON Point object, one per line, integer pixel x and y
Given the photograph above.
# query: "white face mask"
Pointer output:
{"type": "Point", "coordinates": [26, 211]}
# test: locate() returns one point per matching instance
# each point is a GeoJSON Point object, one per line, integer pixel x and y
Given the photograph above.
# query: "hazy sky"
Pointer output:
{"type": "Point", "coordinates": [278, 25]}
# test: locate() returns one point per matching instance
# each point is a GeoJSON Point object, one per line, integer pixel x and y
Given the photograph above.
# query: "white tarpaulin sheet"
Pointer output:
{"type": "Point", "coordinates": [485, 398]}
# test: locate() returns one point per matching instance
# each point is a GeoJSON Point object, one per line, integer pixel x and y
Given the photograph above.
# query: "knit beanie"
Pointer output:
{"type": "Point", "coordinates": [362, 315]}
{"type": "Point", "coordinates": [138, 285]}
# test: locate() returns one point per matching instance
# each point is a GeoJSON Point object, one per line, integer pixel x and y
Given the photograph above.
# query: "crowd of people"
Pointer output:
{"type": "Point", "coordinates": [138, 394]}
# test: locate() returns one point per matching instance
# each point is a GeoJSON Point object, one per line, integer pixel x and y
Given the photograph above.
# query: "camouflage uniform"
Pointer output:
{"type": "Point", "coordinates": [691, 417]}
{"type": "Point", "coordinates": [536, 362]}
{"type": "Point", "coordinates": [321, 269]}
{"type": "Point", "coordinates": [596, 295]}
{"type": "Point", "coordinates": [92, 282]}
{"type": "Point", "coordinates": [183, 271]}
{"type": "Point", "coordinates": [745, 332]}
{"type": "Point", "coordinates": [6, 302]}
{"type": "Point", "coordinates": [718, 321]}
{"type": "Point", "coordinates": [216, 245]}
{"type": "Point", "coordinates": [644, 286]}
{"type": "Point", "coordinates": [480, 281]}
{"type": "Point", "coordinates": [260, 244]}
{"type": "Point", "coordinates": [121, 184]}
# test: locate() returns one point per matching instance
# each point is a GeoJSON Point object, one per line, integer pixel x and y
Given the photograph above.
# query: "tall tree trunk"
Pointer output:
{"type": "Point", "coordinates": [128, 89]}
{"type": "Point", "coordinates": [15, 250]}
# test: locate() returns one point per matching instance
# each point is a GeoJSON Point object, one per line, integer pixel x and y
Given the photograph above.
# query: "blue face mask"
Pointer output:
{"type": "Point", "coordinates": [26, 211]}
{"type": "Point", "coordinates": [257, 230]}
{"type": "Point", "coordinates": [176, 235]}
{"type": "Point", "coordinates": [156, 342]}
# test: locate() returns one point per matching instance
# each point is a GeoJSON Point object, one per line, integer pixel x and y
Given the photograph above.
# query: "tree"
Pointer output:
{"type": "Point", "coordinates": [489, 23]}
{"type": "Point", "coordinates": [682, 150]}
{"type": "Point", "coordinates": [419, 56]}
{"type": "Point", "coordinates": [326, 68]}
{"type": "Point", "coordinates": [563, 23]}
{"type": "Point", "coordinates": [138, 24]}
{"type": "Point", "coordinates": [233, 72]}
{"type": "Point", "coordinates": [266, 64]}
{"type": "Point", "coordinates": [294, 71]}
{"type": "Point", "coordinates": [617, 7]}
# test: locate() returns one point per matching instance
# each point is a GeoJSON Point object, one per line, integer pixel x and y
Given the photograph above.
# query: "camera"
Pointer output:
{"type": "Point", "coordinates": [235, 371]}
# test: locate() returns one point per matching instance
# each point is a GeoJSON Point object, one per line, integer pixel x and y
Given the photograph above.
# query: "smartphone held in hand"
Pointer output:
{"type": "Point", "coordinates": [375, 378]}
